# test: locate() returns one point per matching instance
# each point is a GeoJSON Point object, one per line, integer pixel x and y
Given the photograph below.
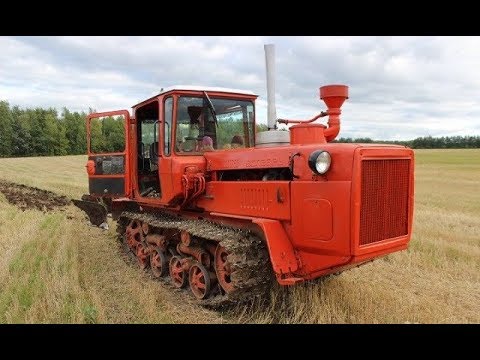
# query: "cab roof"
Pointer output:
{"type": "Point", "coordinates": [199, 88]}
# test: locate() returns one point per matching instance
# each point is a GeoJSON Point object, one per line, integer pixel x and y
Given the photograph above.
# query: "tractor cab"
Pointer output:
{"type": "Point", "coordinates": [146, 156]}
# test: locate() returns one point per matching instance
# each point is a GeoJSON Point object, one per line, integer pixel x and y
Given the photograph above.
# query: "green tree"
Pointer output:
{"type": "Point", "coordinates": [114, 133]}
{"type": "Point", "coordinates": [21, 138]}
{"type": "Point", "coordinates": [5, 129]}
{"type": "Point", "coordinates": [97, 140]}
{"type": "Point", "coordinates": [42, 127]}
{"type": "Point", "coordinates": [55, 134]}
{"type": "Point", "coordinates": [75, 131]}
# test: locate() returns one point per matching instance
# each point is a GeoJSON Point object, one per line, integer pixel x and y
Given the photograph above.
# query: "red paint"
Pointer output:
{"type": "Point", "coordinates": [128, 171]}
{"type": "Point", "coordinates": [313, 224]}
{"type": "Point", "coordinates": [90, 167]}
{"type": "Point", "coordinates": [305, 133]}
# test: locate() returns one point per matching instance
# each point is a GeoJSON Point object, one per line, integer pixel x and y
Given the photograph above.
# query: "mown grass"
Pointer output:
{"type": "Point", "coordinates": [57, 269]}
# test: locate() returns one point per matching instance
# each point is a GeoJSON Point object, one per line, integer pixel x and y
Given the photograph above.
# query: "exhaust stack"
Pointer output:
{"type": "Point", "coordinates": [270, 65]}
{"type": "Point", "coordinates": [272, 137]}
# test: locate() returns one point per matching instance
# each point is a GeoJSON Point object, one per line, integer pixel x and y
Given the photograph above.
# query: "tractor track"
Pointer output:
{"type": "Point", "coordinates": [251, 272]}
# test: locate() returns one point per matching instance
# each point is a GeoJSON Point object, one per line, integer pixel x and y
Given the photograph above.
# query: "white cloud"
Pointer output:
{"type": "Point", "coordinates": [400, 87]}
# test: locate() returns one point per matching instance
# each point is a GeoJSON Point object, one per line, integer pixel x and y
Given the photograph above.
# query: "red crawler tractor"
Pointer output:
{"type": "Point", "coordinates": [205, 200]}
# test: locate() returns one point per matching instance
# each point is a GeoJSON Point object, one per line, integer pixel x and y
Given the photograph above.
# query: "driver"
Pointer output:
{"type": "Point", "coordinates": [206, 144]}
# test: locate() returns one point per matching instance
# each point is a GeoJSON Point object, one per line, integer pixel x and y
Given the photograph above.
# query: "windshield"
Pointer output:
{"type": "Point", "coordinates": [197, 131]}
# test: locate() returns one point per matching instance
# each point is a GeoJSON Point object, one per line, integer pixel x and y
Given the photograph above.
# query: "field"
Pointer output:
{"type": "Point", "coordinates": [55, 268]}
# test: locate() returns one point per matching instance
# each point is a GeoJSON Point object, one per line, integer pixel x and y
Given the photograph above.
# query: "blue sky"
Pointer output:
{"type": "Point", "coordinates": [400, 87]}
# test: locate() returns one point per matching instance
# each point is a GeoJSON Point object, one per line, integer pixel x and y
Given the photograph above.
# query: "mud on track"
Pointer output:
{"type": "Point", "coordinates": [26, 197]}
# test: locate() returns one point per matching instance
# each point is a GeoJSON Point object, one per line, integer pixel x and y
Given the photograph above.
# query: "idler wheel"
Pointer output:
{"type": "Point", "coordinates": [134, 234]}
{"type": "Point", "coordinates": [158, 263]}
{"type": "Point", "coordinates": [199, 280]}
{"type": "Point", "coordinates": [178, 275]}
{"type": "Point", "coordinates": [223, 269]}
{"type": "Point", "coordinates": [142, 256]}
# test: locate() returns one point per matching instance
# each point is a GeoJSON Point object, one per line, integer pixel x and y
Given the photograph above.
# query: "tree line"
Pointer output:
{"type": "Point", "coordinates": [41, 132]}
{"type": "Point", "coordinates": [426, 142]}
{"type": "Point", "coordinates": [45, 132]}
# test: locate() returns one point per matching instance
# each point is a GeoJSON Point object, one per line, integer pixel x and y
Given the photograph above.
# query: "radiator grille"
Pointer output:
{"type": "Point", "coordinates": [384, 196]}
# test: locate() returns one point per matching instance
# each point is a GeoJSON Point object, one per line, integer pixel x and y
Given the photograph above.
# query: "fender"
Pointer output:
{"type": "Point", "coordinates": [282, 255]}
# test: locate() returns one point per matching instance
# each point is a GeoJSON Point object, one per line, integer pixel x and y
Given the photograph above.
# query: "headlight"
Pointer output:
{"type": "Point", "coordinates": [319, 161]}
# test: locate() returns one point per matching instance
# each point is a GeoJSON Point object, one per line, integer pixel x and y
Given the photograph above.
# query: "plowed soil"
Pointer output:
{"type": "Point", "coordinates": [26, 197]}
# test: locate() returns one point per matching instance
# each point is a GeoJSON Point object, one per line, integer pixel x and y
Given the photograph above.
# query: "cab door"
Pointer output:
{"type": "Point", "coordinates": [165, 161]}
{"type": "Point", "coordinates": [108, 165]}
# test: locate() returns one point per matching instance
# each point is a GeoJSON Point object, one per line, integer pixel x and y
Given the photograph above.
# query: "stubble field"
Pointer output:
{"type": "Point", "coordinates": [55, 268]}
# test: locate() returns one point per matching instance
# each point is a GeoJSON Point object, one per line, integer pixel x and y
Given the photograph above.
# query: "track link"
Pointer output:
{"type": "Point", "coordinates": [250, 267]}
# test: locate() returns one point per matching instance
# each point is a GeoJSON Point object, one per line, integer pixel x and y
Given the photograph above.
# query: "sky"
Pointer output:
{"type": "Point", "coordinates": [400, 88]}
